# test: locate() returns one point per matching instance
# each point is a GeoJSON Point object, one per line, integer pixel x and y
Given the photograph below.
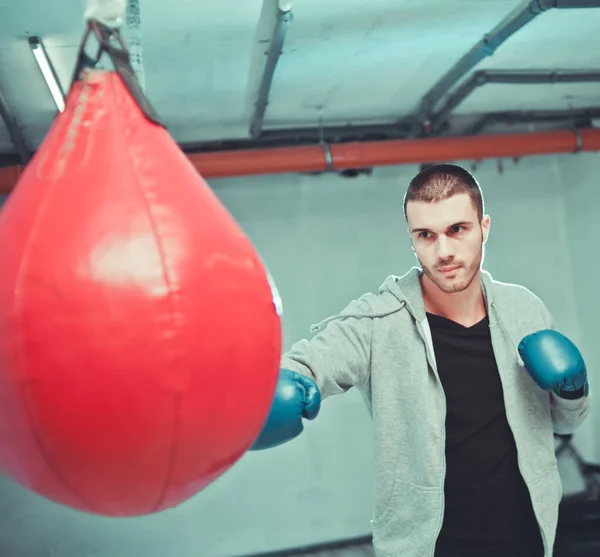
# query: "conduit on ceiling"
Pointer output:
{"type": "Point", "coordinates": [327, 157]}
{"type": "Point", "coordinates": [520, 77]}
{"type": "Point", "coordinates": [281, 20]}
{"type": "Point", "coordinates": [521, 16]}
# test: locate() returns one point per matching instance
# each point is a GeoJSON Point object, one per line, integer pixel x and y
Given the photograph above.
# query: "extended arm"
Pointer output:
{"type": "Point", "coordinates": [333, 361]}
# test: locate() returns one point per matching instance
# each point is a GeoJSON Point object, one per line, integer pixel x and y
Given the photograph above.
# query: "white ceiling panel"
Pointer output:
{"type": "Point", "coordinates": [344, 61]}
{"type": "Point", "coordinates": [357, 67]}
{"type": "Point", "coordinates": [555, 40]}
{"type": "Point", "coordinates": [196, 59]}
{"type": "Point", "coordinates": [352, 64]}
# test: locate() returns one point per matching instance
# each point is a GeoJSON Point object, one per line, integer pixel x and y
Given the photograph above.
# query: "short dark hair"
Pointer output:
{"type": "Point", "coordinates": [441, 181]}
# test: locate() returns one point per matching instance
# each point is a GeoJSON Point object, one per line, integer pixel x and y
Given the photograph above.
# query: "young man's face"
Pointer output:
{"type": "Point", "coordinates": [448, 238]}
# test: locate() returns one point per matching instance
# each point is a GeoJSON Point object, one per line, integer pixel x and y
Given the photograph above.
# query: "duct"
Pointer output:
{"type": "Point", "coordinates": [483, 77]}
{"type": "Point", "coordinates": [282, 20]}
{"type": "Point", "coordinates": [290, 137]}
{"type": "Point", "coordinates": [301, 136]}
{"type": "Point", "coordinates": [322, 158]}
{"type": "Point", "coordinates": [13, 129]}
{"type": "Point", "coordinates": [572, 4]}
{"type": "Point", "coordinates": [516, 20]}
{"type": "Point", "coordinates": [579, 117]}
{"type": "Point", "coordinates": [355, 155]}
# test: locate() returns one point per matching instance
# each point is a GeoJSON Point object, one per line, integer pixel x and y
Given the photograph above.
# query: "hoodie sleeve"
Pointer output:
{"type": "Point", "coordinates": [338, 357]}
{"type": "Point", "coordinates": [567, 415]}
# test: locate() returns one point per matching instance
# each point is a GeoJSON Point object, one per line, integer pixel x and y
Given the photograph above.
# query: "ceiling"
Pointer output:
{"type": "Point", "coordinates": [343, 61]}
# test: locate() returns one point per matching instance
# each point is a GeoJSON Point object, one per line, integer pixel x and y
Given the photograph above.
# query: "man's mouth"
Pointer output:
{"type": "Point", "coordinates": [448, 269]}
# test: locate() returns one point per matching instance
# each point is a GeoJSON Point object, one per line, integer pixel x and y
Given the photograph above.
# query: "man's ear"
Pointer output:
{"type": "Point", "coordinates": [485, 227]}
{"type": "Point", "coordinates": [412, 247]}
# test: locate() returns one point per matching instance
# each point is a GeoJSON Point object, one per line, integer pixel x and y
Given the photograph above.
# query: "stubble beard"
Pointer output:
{"type": "Point", "coordinates": [453, 285]}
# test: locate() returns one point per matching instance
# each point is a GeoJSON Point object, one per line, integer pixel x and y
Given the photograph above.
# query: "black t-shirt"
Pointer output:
{"type": "Point", "coordinates": [488, 509]}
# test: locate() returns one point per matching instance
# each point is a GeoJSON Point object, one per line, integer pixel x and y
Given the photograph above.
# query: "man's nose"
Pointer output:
{"type": "Point", "coordinates": [444, 248]}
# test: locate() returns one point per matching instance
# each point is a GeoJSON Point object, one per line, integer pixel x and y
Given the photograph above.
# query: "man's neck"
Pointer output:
{"type": "Point", "coordinates": [466, 307]}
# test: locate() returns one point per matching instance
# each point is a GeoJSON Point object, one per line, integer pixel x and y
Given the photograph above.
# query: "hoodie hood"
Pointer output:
{"type": "Point", "coordinates": [395, 293]}
{"type": "Point", "coordinates": [391, 297]}
{"type": "Point", "coordinates": [406, 289]}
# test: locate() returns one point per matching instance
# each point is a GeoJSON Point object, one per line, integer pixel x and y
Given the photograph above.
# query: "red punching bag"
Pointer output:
{"type": "Point", "coordinates": [139, 334]}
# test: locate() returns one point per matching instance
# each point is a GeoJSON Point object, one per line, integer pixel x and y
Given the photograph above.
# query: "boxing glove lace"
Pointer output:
{"type": "Point", "coordinates": [296, 397]}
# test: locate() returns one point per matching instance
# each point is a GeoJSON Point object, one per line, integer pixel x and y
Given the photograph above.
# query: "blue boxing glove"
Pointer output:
{"type": "Point", "coordinates": [555, 363]}
{"type": "Point", "coordinates": [296, 397]}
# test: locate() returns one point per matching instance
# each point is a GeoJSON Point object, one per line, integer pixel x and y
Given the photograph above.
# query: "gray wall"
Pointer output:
{"type": "Point", "coordinates": [580, 176]}
{"type": "Point", "coordinates": [326, 240]}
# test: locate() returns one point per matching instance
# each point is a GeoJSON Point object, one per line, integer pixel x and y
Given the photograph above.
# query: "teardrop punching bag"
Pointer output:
{"type": "Point", "coordinates": [139, 338]}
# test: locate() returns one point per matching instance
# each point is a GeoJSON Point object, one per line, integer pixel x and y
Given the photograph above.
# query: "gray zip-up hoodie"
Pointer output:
{"type": "Point", "coordinates": [381, 344]}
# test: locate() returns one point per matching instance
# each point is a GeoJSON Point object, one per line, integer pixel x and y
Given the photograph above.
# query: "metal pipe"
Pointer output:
{"type": "Point", "coordinates": [572, 4]}
{"type": "Point", "coordinates": [516, 20]}
{"type": "Point", "coordinates": [282, 20]}
{"type": "Point", "coordinates": [380, 132]}
{"type": "Point", "coordinates": [355, 155]}
{"type": "Point", "coordinates": [13, 130]}
{"type": "Point", "coordinates": [290, 137]}
{"type": "Point", "coordinates": [576, 117]}
{"type": "Point", "coordinates": [393, 152]}
{"type": "Point", "coordinates": [483, 77]}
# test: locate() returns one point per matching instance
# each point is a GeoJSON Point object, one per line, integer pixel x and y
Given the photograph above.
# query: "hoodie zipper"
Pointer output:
{"type": "Point", "coordinates": [499, 321]}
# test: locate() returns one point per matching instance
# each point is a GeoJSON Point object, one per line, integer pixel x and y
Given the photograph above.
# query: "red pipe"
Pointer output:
{"type": "Point", "coordinates": [275, 160]}
{"type": "Point", "coordinates": [8, 178]}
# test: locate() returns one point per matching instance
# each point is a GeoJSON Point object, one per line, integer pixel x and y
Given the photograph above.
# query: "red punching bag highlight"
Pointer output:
{"type": "Point", "coordinates": [139, 335]}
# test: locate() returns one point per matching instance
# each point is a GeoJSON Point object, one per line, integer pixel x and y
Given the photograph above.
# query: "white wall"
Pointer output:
{"type": "Point", "coordinates": [580, 176]}
{"type": "Point", "coordinates": [326, 240]}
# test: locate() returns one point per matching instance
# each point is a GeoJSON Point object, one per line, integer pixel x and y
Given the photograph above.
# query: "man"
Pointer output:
{"type": "Point", "coordinates": [466, 380]}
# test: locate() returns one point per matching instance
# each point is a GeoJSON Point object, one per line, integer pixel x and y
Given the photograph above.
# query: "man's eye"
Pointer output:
{"type": "Point", "coordinates": [457, 229]}
{"type": "Point", "coordinates": [424, 234]}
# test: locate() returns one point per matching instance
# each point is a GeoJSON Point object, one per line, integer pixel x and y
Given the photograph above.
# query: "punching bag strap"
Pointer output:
{"type": "Point", "coordinates": [119, 56]}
